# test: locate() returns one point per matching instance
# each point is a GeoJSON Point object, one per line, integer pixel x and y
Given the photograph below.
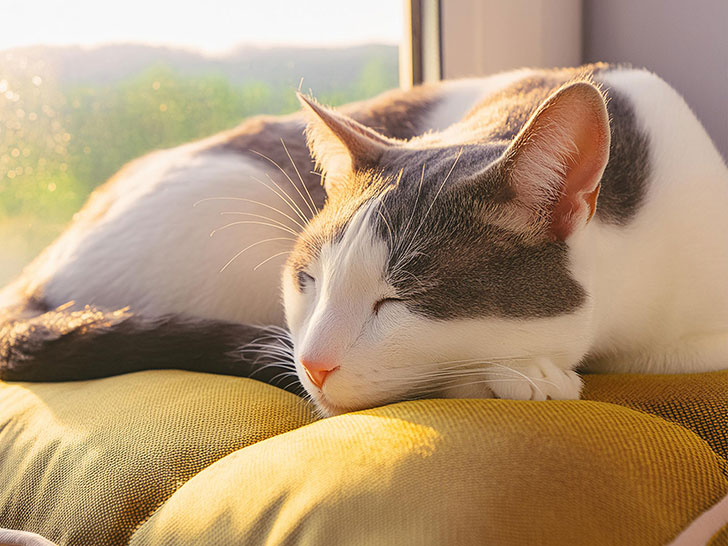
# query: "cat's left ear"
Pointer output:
{"type": "Point", "coordinates": [556, 162]}
{"type": "Point", "coordinates": [340, 145]}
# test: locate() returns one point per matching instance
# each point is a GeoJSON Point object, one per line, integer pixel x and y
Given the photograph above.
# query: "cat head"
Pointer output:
{"type": "Point", "coordinates": [435, 257]}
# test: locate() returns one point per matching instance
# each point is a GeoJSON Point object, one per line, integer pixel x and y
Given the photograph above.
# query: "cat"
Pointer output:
{"type": "Point", "coordinates": [473, 238]}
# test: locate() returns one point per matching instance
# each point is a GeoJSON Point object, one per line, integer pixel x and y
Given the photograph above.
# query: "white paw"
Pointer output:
{"type": "Point", "coordinates": [538, 379]}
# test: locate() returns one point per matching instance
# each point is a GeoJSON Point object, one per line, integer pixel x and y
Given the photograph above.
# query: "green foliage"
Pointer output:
{"type": "Point", "coordinates": [59, 139]}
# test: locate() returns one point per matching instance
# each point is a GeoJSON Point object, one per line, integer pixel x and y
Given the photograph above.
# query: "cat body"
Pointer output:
{"type": "Point", "coordinates": [482, 237]}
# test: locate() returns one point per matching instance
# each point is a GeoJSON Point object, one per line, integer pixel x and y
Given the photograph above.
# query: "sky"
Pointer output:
{"type": "Point", "coordinates": [212, 26]}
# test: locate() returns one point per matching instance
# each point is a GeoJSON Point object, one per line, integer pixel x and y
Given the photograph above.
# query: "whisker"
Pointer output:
{"type": "Point", "coordinates": [269, 259]}
{"type": "Point", "coordinates": [524, 377]}
{"type": "Point", "coordinates": [414, 207]}
{"type": "Point", "coordinates": [284, 196]}
{"type": "Point", "coordinates": [288, 230]}
{"type": "Point", "coordinates": [303, 184]}
{"type": "Point", "coordinates": [268, 207]}
{"type": "Point", "coordinates": [254, 215]}
{"type": "Point", "coordinates": [497, 358]}
{"type": "Point", "coordinates": [439, 190]}
{"type": "Point", "coordinates": [437, 389]}
{"type": "Point", "coordinates": [456, 374]}
{"type": "Point", "coordinates": [313, 213]}
{"type": "Point", "coordinates": [278, 349]}
{"type": "Point", "coordinates": [279, 376]}
{"type": "Point", "coordinates": [265, 367]}
{"type": "Point", "coordinates": [415, 277]}
{"type": "Point", "coordinates": [251, 246]}
{"type": "Point", "coordinates": [389, 228]}
{"type": "Point", "coordinates": [280, 344]}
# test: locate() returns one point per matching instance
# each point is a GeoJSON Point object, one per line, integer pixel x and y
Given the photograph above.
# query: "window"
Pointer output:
{"type": "Point", "coordinates": [90, 85]}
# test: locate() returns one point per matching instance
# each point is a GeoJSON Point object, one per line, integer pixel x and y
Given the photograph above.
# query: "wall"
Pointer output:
{"type": "Point", "coordinates": [482, 37]}
{"type": "Point", "coordinates": [684, 41]}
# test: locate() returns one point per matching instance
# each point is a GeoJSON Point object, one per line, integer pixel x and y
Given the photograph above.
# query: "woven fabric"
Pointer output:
{"type": "Point", "coordinates": [454, 472]}
{"type": "Point", "coordinates": [87, 462]}
{"type": "Point", "coordinates": [720, 538]}
{"type": "Point", "coordinates": [698, 402]}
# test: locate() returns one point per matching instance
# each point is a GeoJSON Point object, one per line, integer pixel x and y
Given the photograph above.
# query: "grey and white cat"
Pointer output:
{"type": "Point", "coordinates": [474, 238]}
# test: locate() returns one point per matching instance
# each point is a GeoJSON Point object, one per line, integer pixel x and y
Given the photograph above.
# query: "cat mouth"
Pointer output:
{"type": "Point", "coordinates": [329, 409]}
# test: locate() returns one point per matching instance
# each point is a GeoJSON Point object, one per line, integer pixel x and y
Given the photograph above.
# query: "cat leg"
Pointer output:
{"type": "Point", "coordinates": [538, 379]}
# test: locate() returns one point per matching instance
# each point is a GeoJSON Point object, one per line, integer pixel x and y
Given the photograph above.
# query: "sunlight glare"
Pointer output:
{"type": "Point", "coordinates": [214, 26]}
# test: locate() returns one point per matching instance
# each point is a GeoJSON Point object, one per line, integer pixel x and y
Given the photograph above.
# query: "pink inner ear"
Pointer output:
{"type": "Point", "coordinates": [558, 158]}
{"type": "Point", "coordinates": [583, 170]}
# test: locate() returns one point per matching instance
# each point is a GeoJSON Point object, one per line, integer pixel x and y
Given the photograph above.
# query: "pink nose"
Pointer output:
{"type": "Point", "coordinates": [318, 372]}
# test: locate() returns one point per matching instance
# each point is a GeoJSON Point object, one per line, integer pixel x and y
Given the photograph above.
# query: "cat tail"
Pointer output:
{"type": "Point", "coordinates": [70, 344]}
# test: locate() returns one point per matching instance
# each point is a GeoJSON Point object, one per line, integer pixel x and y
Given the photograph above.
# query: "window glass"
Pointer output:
{"type": "Point", "coordinates": [88, 85]}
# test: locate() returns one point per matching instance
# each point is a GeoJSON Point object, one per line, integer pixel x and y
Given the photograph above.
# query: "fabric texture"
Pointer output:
{"type": "Point", "coordinates": [454, 472]}
{"type": "Point", "coordinates": [698, 402]}
{"type": "Point", "coordinates": [720, 538]}
{"type": "Point", "coordinates": [86, 462]}
{"type": "Point", "coordinates": [98, 462]}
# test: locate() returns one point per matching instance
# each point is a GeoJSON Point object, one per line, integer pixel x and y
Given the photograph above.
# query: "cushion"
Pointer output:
{"type": "Point", "coordinates": [85, 462]}
{"type": "Point", "coordinates": [720, 538]}
{"type": "Point", "coordinates": [90, 462]}
{"type": "Point", "coordinates": [454, 472]}
{"type": "Point", "coordinates": [698, 402]}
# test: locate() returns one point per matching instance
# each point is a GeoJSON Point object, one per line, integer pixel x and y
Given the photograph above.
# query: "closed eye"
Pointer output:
{"type": "Point", "coordinates": [383, 301]}
{"type": "Point", "coordinates": [303, 279]}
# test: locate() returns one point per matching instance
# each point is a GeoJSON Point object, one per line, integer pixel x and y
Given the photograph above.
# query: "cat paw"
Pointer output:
{"type": "Point", "coordinates": [540, 379]}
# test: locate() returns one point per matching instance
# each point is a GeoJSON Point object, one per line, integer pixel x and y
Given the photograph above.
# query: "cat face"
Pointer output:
{"type": "Point", "coordinates": [435, 260]}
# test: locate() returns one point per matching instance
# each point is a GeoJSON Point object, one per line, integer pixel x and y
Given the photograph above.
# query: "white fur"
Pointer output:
{"type": "Point", "coordinates": [395, 353]}
{"type": "Point", "coordinates": [152, 249]}
{"type": "Point", "coordinates": [657, 288]}
{"type": "Point", "coordinates": [660, 285]}
{"type": "Point", "coordinates": [657, 292]}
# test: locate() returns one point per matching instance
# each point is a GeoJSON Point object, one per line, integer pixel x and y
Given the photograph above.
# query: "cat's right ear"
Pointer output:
{"type": "Point", "coordinates": [340, 145]}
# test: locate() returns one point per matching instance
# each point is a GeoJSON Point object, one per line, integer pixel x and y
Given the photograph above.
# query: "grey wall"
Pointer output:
{"type": "Point", "coordinates": [480, 37]}
{"type": "Point", "coordinates": [684, 41]}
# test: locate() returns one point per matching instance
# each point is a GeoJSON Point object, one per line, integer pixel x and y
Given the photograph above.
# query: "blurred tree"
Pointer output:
{"type": "Point", "coordinates": [61, 137]}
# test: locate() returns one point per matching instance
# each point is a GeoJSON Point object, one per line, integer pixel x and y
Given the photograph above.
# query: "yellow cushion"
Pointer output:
{"type": "Point", "coordinates": [720, 538]}
{"type": "Point", "coordinates": [698, 402]}
{"type": "Point", "coordinates": [453, 472]}
{"type": "Point", "coordinates": [89, 462]}
{"type": "Point", "coordinates": [86, 462]}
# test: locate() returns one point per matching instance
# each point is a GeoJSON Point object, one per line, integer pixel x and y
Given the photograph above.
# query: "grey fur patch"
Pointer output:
{"type": "Point", "coordinates": [624, 182]}
{"type": "Point", "coordinates": [448, 260]}
{"type": "Point", "coordinates": [448, 256]}
{"type": "Point", "coordinates": [457, 263]}
{"type": "Point", "coordinates": [501, 116]}
{"type": "Point", "coordinates": [396, 114]}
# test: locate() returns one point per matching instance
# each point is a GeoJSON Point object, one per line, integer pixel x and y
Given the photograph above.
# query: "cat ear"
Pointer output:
{"type": "Point", "coordinates": [340, 145]}
{"type": "Point", "coordinates": [555, 164]}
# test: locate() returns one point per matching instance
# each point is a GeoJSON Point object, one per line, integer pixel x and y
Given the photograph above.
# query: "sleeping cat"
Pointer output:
{"type": "Point", "coordinates": [473, 238]}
